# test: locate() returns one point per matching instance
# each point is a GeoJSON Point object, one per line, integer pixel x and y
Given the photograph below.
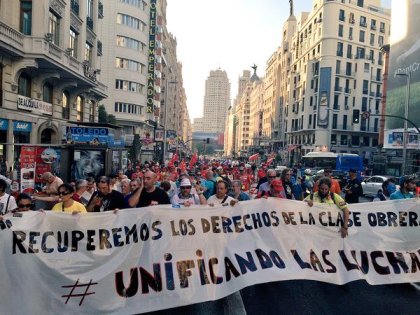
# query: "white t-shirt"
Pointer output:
{"type": "Point", "coordinates": [3, 203]}
{"type": "Point", "coordinates": [193, 199]}
{"type": "Point", "coordinates": [216, 201]}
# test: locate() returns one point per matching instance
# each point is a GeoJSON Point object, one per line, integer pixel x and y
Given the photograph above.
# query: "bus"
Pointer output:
{"type": "Point", "coordinates": [337, 161]}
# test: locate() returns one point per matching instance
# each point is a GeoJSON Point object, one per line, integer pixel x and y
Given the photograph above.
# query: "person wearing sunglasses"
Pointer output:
{"type": "Point", "coordinates": [66, 201]}
{"type": "Point", "coordinates": [266, 186]}
{"type": "Point", "coordinates": [186, 198]}
{"type": "Point", "coordinates": [24, 203]}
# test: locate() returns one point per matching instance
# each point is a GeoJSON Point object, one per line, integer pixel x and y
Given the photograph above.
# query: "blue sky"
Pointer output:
{"type": "Point", "coordinates": [230, 34]}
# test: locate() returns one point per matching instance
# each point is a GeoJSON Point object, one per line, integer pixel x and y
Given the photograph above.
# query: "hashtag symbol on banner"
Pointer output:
{"type": "Point", "coordinates": [72, 294]}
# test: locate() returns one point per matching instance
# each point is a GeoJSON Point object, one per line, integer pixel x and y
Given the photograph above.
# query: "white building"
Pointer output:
{"type": "Point", "coordinates": [216, 102]}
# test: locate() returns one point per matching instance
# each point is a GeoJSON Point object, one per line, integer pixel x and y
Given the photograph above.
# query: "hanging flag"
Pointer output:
{"type": "Point", "coordinates": [183, 166]}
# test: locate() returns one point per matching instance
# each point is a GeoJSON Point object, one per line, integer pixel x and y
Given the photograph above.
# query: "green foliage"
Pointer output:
{"type": "Point", "coordinates": [134, 151]}
{"type": "Point", "coordinates": [112, 119]}
{"type": "Point", "coordinates": [102, 114]}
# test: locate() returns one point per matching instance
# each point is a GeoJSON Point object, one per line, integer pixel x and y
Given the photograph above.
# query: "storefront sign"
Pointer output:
{"type": "Point", "coordinates": [22, 126]}
{"type": "Point", "coordinates": [87, 134]}
{"type": "Point", "coordinates": [35, 106]}
{"type": "Point", "coordinates": [4, 124]}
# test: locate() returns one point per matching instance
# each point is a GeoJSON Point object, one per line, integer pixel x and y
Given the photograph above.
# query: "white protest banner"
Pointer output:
{"type": "Point", "coordinates": [141, 260]}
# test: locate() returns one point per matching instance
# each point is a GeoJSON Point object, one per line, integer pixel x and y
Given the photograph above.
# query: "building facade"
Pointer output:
{"type": "Point", "coordinates": [216, 102]}
{"type": "Point", "coordinates": [50, 71]}
{"type": "Point", "coordinates": [333, 72]}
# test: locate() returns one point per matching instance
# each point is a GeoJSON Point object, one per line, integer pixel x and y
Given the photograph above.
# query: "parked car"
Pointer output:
{"type": "Point", "coordinates": [372, 184]}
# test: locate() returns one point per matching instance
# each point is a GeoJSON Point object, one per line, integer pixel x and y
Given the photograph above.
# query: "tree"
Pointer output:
{"type": "Point", "coordinates": [112, 119]}
{"type": "Point", "coordinates": [134, 151]}
{"type": "Point", "coordinates": [102, 114]}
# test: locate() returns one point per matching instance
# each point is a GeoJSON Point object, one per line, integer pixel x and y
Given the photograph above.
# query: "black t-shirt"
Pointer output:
{"type": "Point", "coordinates": [356, 189]}
{"type": "Point", "coordinates": [288, 188]}
{"type": "Point", "coordinates": [114, 200]}
{"type": "Point", "coordinates": [158, 195]}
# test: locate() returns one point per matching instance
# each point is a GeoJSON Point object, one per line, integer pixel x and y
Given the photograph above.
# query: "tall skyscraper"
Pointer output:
{"type": "Point", "coordinates": [216, 101]}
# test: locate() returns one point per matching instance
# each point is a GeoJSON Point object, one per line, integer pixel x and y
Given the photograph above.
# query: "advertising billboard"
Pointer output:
{"type": "Point", "coordinates": [404, 73]}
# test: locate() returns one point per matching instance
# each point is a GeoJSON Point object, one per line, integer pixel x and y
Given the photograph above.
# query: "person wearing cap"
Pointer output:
{"type": "Point", "coordinates": [407, 188]}
{"type": "Point", "coordinates": [335, 185]}
{"type": "Point", "coordinates": [325, 196]}
{"type": "Point", "coordinates": [276, 190]}
{"type": "Point", "coordinates": [187, 198]}
{"type": "Point", "coordinates": [353, 189]}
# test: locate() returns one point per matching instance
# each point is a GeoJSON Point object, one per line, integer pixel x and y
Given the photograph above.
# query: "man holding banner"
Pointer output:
{"type": "Point", "coordinates": [325, 196]}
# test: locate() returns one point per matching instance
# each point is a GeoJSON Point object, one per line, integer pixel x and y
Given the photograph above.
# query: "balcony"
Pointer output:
{"type": "Point", "coordinates": [338, 89]}
{"type": "Point", "coordinates": [74, 6]}
{"type": "Point", "coordinates": [347, 91]}
{"type": "Point", "coordinates": [378, 94]}
{"type": "Point", "coordinates": [373, 27]}
{"type": "Point", "coordinates": [363, 24]}
{"type": "Point", "coordinates": [11, 38]}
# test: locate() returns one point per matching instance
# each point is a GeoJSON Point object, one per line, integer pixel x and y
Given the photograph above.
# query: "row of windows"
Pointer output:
{"type": "Point", "coordinates": [362, 21]}
{"type": "Point", "coordinates": [131, 21]}
{"type": "Point", "coordinates": [127, 108]}
{"type": "Point", "coordinates": [360, 53]}
{"type": "Point", "coordinates": [362, 36]}
{"type": "Point", "coordinates": [129, 86]}
{"type": "Point", "coordinates": [129, 64]}
{"type": "Point", "coordinates": [130, 43]}
{"type": "Point", "coordinates": [141, 4]}
{"type": "Point", "coordinates": [25, 86]}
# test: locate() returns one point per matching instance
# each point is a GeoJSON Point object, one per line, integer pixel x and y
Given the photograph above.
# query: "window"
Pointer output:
{"type": "Point", "coordinates": [334, 139]}
{"type": "Point", "coordinates": [80, 104]}
{"type": "Point", "coordinates": [366, 67]}
{"type": "Point", "coordinates": [350, 33]}
{"type": "Point", "coordinates": [365, 87]}
{"type": "Point", "coordinates": [360, 3]}
{"type": "Point", "coordinates": [47, 93]}
{"type": "Point", "coordinates": [340, 49]}
{"type": "Point", "coordinates": [362, 36]}
{"type": "Point", "coordinates": [340, 30]}
{"type": "Point", "coordinates": [141, 4]}
{"type": "Point", "coordinates": [24, 83]}
{"type": "Point", "coordinates": [349, 51]}
{"type": "Point", "coordinates": [130, 43]}
{"type": "Point", "coordinates": [26, 17]}
{"type": "Point", "coordinates": [363, 21]}
{"type": "Point", "coordinates": [131, 22]}
{"type": "Point", "coordinates": [334, 122]}
{"type": "Point", "coordinates": [337, 66]}
{"type": "Point", "coordinates": [344, 122]}
{"type": "Point", "coordinates": [348, 68]}
{"type": "Point", "coordinates": [129, 65]}
{"type": "Point", "coordinates": [382, 27]}
{"type": "Point", "coordinates": [73, 43]}
{"type": "Point", "coordinates": [91, 111]}
{"type": "Point", "coordinates": [360, 53]}
{"type": "Point", "coordinates": [89, 14]}
{"type": "Point", "coordinates": [372, 39]}
{"type": "Point", "coordinates": [380, 40]}
{"type": "Point", "coordinates": [364, 104]}
{"type": "Point", "coordinates": [54, 27]}
{"type": "Point", "coordinates": [65, 106]}
{"type": "Point", "coordinates": [88, 52]}
{"type": "Point", "coordinates": [341, 15]}
{"type": "Point", "coordinates": [375, 124]}
{"type": "Point", "coordinates": [343, 139]}
{"type": "Point", "coordinates": [127, 108]}
{"type": "Point", "coordinates": [373, 24]}
{"type": "Point", "coordinates": [129, 86]}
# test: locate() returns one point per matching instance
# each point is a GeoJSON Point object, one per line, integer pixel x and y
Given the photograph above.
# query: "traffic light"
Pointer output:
{"type": "Point", "coordinates": [356, 116]}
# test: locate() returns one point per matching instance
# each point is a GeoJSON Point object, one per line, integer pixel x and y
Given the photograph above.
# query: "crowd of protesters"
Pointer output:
{"type": "Point", "coordinates": [208, 183]}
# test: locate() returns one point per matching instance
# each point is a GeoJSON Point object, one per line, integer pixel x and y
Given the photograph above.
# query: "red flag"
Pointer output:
{"type": "Point", "coordinates": [193, 160]}
{"type": "Point", "coordinates": [269, 161]}
{"type": "Point", "coordinates": [254, 157]}
{"type": "Point", "coordinates": [183, 166]}
{"type": "Point", "coordinates": [173, 159]}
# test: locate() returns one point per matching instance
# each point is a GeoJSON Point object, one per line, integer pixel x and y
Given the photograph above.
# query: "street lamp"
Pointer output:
{"type": "Point", "coordinates": [165, 119]}
{"type": "Point", "coordinates": [407, 102]}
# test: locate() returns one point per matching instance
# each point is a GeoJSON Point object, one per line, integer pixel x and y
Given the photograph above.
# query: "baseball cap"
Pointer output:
{"type": "Point", "coordinates": [276, 184]}
{"type": "Point", "coordinates": [185, 182]}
